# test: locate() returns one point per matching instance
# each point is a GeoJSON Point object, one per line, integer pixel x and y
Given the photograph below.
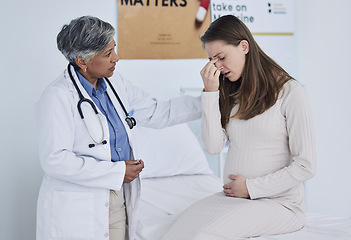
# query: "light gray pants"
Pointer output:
{"type": "Point", "coordinates": [117, 215]}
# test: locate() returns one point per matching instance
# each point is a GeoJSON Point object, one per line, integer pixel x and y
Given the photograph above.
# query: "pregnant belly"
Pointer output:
{"type": "Point", "coordinates": [252, 164]}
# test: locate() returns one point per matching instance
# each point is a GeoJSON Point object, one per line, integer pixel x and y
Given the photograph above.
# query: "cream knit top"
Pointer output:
{"type": "Point", "coordinates": [275, 150]}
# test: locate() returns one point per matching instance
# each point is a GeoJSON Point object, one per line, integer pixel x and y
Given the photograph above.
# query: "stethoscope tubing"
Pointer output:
{"type": "Point", "coordinates": [131, 122]}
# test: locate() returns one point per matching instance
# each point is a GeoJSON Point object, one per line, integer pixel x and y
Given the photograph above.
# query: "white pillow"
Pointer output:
{"type": "Point", "coordinates": [170, 151]}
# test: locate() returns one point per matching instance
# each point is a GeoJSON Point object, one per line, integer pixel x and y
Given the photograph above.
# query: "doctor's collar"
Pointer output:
{"type": "Point", "coordinates": [89, 87]}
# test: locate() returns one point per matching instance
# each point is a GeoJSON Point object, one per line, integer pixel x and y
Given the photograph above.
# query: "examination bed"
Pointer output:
{"type": "Point", "coordinates": [177, 174]}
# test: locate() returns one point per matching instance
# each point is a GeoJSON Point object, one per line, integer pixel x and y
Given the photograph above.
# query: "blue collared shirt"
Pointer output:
{"type": "Point", "coordinates": [119, 142]}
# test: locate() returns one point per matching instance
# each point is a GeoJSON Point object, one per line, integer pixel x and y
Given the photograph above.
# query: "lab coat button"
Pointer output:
{"type": "Point", "coordinates": [106, 147]}
{"type": "Point", "coordinates": [106, 234]}
{"type": "Point", "coordinates": [106, 204]}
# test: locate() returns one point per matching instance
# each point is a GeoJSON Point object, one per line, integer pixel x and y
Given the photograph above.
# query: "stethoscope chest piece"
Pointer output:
{"type": "Point", "coordinates": [130, 122]}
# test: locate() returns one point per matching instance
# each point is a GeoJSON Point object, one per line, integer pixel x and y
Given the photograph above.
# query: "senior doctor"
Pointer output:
{"type": "Point", "coordinates": [91, 187]}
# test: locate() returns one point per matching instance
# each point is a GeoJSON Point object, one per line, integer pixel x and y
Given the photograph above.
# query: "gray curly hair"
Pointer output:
{"type": "Point", "coordinates": [84, 37]}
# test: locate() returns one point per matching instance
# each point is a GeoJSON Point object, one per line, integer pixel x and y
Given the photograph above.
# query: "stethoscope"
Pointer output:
{"type": "Point", "coordinates": [131, 122]}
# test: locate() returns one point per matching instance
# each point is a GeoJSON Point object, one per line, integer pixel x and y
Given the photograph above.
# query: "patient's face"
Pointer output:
{"type": "Point", "coordinates": [231, 59]}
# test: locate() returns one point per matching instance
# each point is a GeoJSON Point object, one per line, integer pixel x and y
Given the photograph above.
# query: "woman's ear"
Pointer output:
{"type": "Point", "coordinates": [81, 63]}
{"type": "Point", "coordinates": [245, 46]}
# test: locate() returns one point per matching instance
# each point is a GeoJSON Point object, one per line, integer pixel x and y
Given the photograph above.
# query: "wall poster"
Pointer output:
{"type": "Point", "coordinates": [161, 29]}
{"type": "Point", "coordinates": [170, 29]}
{"type": "Point", "coordinates": [270, 21]}
{"type": "Point", "coordinates": [273, 17]}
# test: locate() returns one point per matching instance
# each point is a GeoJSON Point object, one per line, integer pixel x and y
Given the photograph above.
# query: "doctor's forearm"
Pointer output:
{"type": "Point", "coordinates": [85, 171]}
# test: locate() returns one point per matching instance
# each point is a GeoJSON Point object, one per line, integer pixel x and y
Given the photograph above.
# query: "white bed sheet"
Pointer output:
{"type": "Point", "coordinates": [318, 227]}
{"type": "Point", "coordinates": [163, 199]}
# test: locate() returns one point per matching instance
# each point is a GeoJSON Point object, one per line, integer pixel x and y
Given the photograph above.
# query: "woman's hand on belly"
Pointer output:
{"type": "Point", "coordinates": [237, 187]}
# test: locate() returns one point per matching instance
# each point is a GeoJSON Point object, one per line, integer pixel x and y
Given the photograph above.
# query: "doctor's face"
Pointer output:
{"type": "Point", "coordinates": [103, 64]}
{"type": "Point", "coordinates": [231, 59]}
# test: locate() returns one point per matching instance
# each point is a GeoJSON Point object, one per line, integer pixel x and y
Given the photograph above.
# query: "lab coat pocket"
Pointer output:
{"type": "Point", "coordinates": [72, 215]}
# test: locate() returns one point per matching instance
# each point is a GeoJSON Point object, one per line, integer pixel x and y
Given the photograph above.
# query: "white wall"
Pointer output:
{"type": "Point", "coordinates": [324, 67]}
{"type": "Point", "coordinates": [29, 61]}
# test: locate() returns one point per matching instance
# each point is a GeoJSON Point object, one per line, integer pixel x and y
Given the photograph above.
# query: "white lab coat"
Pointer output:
{"type": "Point", "coordinates": [73, 202]}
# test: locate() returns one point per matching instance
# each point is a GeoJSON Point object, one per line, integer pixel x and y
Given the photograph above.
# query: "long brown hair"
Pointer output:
{"type": "Point", "coordinates": [262, 78]}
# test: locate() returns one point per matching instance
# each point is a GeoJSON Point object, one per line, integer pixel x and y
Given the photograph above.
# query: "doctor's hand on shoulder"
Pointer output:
{"type": "Point", "coordinates": [133, 169]}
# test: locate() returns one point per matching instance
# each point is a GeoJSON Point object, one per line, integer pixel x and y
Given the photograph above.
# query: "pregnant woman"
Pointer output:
{"type": "Point", "coordinates": [252, 102]}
